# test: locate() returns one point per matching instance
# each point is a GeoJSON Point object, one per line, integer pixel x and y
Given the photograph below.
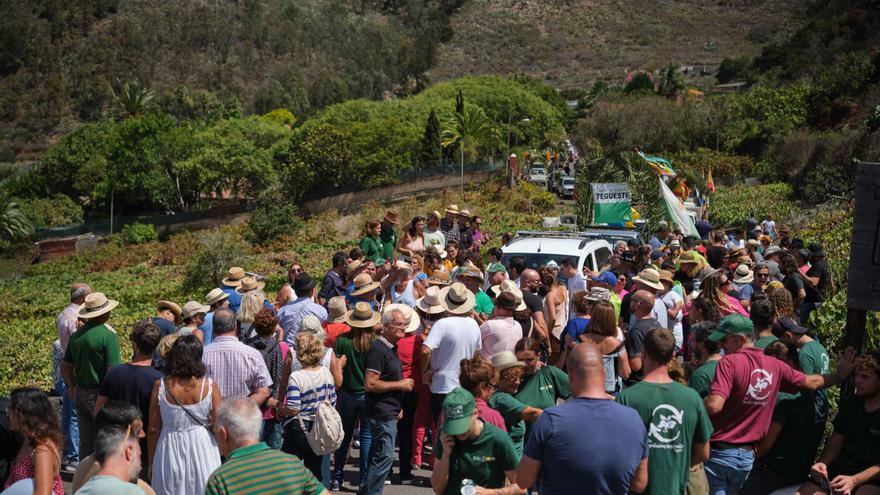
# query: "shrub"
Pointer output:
{"type": "Point", "coordinates": [274, 216]}
{"type": "Point", "coordinates": [138, 233]}
{"type": "Point", "coordinates": [217, 250]}
{"type": "Point", "coordinates": [52, 212]}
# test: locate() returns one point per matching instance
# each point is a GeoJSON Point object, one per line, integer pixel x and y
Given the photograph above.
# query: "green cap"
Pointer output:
{"type": "Point", "coordinates": [731, 325]}
{"type": "Point", "coordinates": [458, 409]}
{"type": "Point", "coordinates": [496, 267]}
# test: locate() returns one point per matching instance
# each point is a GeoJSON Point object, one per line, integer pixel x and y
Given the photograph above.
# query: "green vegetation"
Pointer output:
{"type": "Point", "coordinates": [732, 206]}
{"type": "Point", "coordinates": [138, 233]}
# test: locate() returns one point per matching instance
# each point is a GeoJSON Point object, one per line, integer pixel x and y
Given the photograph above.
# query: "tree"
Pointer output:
{"type": "Point", "coordinates": [13, 222]}
{"type": "Point", "coordinates": [639, 82]}
{"type": "Point", "coordinates": [432, 146]}
{"type": "Point", "coordinates": [672, 83]}
{"type": "Point", "coordinates": [468, 129]}
{"type": "Point", "coordinates": [133, 100]}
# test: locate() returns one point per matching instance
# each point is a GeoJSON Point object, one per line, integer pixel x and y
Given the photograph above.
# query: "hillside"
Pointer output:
{"type": "Point", "coordinates": [569, 43]}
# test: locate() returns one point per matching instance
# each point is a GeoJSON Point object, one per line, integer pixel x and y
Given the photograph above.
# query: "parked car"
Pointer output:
{"type": "Point", "coordinates": [540, 247]}
{"type": "Point", "coordinates": [538, 177]}
{"type": "Point", "coordinates": [566, 187]}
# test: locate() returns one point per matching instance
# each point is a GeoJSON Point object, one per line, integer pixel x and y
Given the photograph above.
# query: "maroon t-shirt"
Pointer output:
{"type": "Point", "coordinates": [749, 381]}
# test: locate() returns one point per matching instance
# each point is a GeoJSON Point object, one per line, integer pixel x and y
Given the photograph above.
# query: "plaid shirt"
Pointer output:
{"type": "Point", "coordinates": [237, 369]}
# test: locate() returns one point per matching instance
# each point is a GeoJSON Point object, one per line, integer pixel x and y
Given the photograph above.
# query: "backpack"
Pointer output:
{"type": "Point", "coordinates": [326, 433]}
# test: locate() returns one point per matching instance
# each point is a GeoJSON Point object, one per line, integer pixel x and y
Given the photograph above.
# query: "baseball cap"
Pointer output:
{"type": "Point", "coordinates": [605, 277]}
{"type": "Point", "coordinates": [735, 324]}
{"type": "Point", "coordinates": [458, 409]}
{"type": "Point", "coordinates": [496, 267]}
{"type": "Point", "coordinates": [770, 251]}
{"type": "Point", "coordinates": [788, 324]}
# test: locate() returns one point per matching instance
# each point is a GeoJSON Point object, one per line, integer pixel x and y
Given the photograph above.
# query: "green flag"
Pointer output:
{"type": "Point", "coordinates": [612, 204]}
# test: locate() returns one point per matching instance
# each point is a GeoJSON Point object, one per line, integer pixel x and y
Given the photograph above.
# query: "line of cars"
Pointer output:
{"type": "Point", "coordinates": [557, 182]}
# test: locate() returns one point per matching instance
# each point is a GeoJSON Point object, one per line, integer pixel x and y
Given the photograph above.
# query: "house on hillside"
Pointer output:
{"type": "Point", "coordinates": [733, 87]}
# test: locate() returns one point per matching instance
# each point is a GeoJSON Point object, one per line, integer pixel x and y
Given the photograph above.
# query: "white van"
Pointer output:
{"type": "Point", "coordinates": [540, 247]}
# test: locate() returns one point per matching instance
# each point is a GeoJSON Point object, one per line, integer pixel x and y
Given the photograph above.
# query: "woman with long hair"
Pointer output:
{"type": "Point", "coordinates": [603, 333]}
{"type": "Point", "coordinates": [352, 347]}
{"type": "Point", "coordinates": [555, 304]}
{"type": "Point", "coordinates": [793, 279]}
{"type": "Point", "coordinates": [412, 242]}
{"type": "Point", "coordinates": [251, 304]}
{"type": "Point", "coordinates": [781, 299]}
{"type": "Point", "coordinates": [38, 462]}
{"type": "Point", "coordinates": [371, 243]}
{"type": "Point", "coordinates": [703, 310]}
{"type": "Point", "coordinates": [715, 289]}
{"type": "Point", "coordinates": [479, 378]}
{"type": "Point", "coordinates": [182, 450]}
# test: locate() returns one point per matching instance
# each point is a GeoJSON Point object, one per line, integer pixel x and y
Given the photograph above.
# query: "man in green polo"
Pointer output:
{"type": "Point", "coordinates": [387, 234]}
{"type": "Point", "coordinates": [90, 352]}
{"type": "Point", "coordinates": [251, 467]}
{"type": "Point", "coordinates": [473, 280]}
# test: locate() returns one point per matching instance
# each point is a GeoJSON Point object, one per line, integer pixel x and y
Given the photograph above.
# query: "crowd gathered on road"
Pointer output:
{"type": "Point", "coordinates": [683, 366]}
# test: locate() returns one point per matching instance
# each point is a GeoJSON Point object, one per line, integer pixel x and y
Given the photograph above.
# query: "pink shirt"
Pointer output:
{"type": "Point", "coordinates": [749, 380]}
{"type": "Point", "coordinates": [499, 334]}
{"type": "Point", "coordinates": [735, 304]}
{"type": "Point", "coordinates": [490, 415]}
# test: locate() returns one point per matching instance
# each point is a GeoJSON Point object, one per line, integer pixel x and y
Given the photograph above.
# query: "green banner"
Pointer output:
{"type": "Point", "coordinates": [612, 204]}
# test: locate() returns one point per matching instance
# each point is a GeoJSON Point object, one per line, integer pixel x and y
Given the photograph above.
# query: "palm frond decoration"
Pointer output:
{"type": "Point", "coordinates": [14, 224]}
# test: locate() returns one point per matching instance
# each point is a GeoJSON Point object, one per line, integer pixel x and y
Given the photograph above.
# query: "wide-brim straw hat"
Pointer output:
{"type": "Point", "coordinates": [336, 310]}
{"type": "Point", "coordinates": [364, 283]}
{"type": "Point", "coordinates": [192, 308]}
{"type": "Point", "coordinates": [506, 359]}
{"type": "Point", "coordinates": [430, 303]}
{"type": "Point", "coordinates": [666, 276]}
{"type": "Point", "coordinates": [362, 316]}
{"type": "Point", "coordinates": [649, 277]}
{"type": "Point", "coordinates": [464, 213]}
{"type": "Point", "coordinates": [435, 214]}
{"type": "Point", "coordinates": [96, 304]}
{"type": "Point", "coordinates": [452, 209]}
{"type": "Point", "coordinates": [392, 217]}
{"type": "Point", "coordinates": [438, 277]}
{"type": "Point", "coordinates": [170, 306]}
{"type": "Point", "coordinates": [743, 275]}
{"type": "Point", "coordinates": [413, 321]}
{"type": "Point", "coordinates": [353, 266]}
{"type": "Point", "coordinates": [215, 296]}
{"type": "Point", "coordinates": [457, 299]}
{"type": "Point", "coordinates": [248, 284]}
{"type": "Point", "coordinates": [233, 279]}
{"type": "Point", "coordinates": [505, 284]}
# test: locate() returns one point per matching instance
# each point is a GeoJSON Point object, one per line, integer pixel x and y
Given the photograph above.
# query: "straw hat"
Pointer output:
{"type": "Point", "coordinates": [517, 297]}
{"type": "Point", "coordinates": [649, 277]}
{"type": "Point", "coordinates": [215, 296]}
{"type": "Point", "coordinates": [170, 306]}
{"type": "Point", "coordinates": [413, 322]}
{"type": "Point", "coordinates": [599, 294]}
{"type": "Point", "coordinates": [430, 304]}
{"type": "Point", "coordinates": [233, 279]}
{"type": "Point", "coordinates": [439, 277]}
{"type": "Point", "coordinates": [353, 266]}
{"type": "Point", "coordinates": [457, 299]}
{"type": "Point", "coordinates": [743, 275]}
{"type": "Point", "coordinates": [666, 276]}
{"type": "Point", "coordinates": [505, 284]}
{"type": "Point", "coordinates": [464, 213]}
{"type": "Point", "coordinates": [96, 304]}
{"type": "Point", "coordinates": [435, 214]}
{"type": "Point", "coordinates": [336, 310]}
{"type": "Point", "coordinates": [391, 216]}
{"type": "Point", "coordinates": [192, 308]}
{"type": "Point", "coordinates": [452, 209]}
{"type": "Point", "coordinates": [470, 273]}
{"type": "Point", "coordinates": [504, 360]}
{"type": "Point", "coordinates": [687, 257]}
{"type": "Point", "coordinates": [364, 283]}
{"type": "Point", "coordinates": [248, 284]}
{"type": "Point", "coordinates": [362, 316]}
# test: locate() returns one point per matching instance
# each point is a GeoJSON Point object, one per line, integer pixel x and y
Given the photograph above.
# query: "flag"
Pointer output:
{"type": "Point", "coordinates": [676, 211]}
{"type": "Point", "coordinates": [612, 204]}
{"type": "Point", "coordinates": [682, 190]}
{"type": "Point", "coordinates": [698, 198]}
{"type": "Point", "coordinates": [710, 183]}
{"type": "Point", "coordinates": [660, 165]}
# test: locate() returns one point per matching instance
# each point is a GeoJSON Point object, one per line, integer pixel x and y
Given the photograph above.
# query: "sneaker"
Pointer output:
{"type": "Point", "coordinates": [357, 444]}
{"type": "Point", "coordinates": [69, 466]}
{"type": "Point", "coordinates": [387, 481]}
{"type": "Point", "coordinates": [335, 485]}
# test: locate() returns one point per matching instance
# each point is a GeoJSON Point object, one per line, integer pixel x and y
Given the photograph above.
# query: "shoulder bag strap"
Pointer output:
{"type": "Point", "coordinates": [188, 413]}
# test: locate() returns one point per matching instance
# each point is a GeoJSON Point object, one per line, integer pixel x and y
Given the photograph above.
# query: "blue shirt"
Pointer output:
{"type": "Point", "coordinates": [331, 287]}
{"type": "Point", "coordinates": [208, 328]}
{"type": "Point", "coordinates": [234, 298]}
{"type": "Point", "coordinates": [575, 327]}
{"type": "Point", "coordinates": [291, 315]}
{"type": "Point", "coordinates": [655, 243]}
{"type": "Point", "coordinates": [587, 446]}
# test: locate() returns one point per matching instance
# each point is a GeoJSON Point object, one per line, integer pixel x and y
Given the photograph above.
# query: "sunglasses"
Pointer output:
{"type": "Point", "coordinates": [762, 275]}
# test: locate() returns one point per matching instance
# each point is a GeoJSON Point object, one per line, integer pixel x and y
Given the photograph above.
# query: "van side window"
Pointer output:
{"type": "Point", "coordinates": [590, 262]}
{"type": "Point", "coordinates": [603, 257]}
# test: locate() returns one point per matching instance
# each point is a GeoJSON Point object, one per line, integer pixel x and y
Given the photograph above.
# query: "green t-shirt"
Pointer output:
{"type": "Point", "coordinates": [483, 304]}
{"type": "Point", "coordinates": [794, 451]}
{"type": "Point", "coordinates": [373, 248]}
{"type": "Point", "coordinates": [702, 378]}
{"type": "Point", "coordinates": [257, 469]}
{"type": "Point", "coordinates": [813, 360]}
{"type": "Point", "coordinates": [353, 371]}
{"type": "Point", "coordinates": [764, 341]}
{"type": "Point", "coordinates": [861, 429]}
{"type": "Point", "coordinates": [92, 350]}
{"type": "Point", "coordinates": [389, 243]}
{"type": "Point", "coordinates": [542, 389]}
{"type": "Point", "coordinates": [483, 459]}
{"type": "Point", "coordinates": [675, 418]}
{"type": "Point", "coordinates": [511, 410]}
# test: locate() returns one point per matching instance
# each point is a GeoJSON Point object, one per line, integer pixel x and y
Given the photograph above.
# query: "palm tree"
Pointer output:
{"type": "Point", "coordinates": [468, 129]}
{"type": "Point", "coordinates": [13, 222]}
{"type": "Point", "coordinates": [133, 99]}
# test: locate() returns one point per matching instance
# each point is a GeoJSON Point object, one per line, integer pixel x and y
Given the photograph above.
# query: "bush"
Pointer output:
{"type": "Point", "coordinates": [730, 207]}
{"type": "Point", "coordinates": [52, 212]}
{"type": "Point", "coordinates": [274, 216]}
{"type": "Point", "coordinates": [138, 233]}
{"type": "Point", "coordinates": [217, 250]}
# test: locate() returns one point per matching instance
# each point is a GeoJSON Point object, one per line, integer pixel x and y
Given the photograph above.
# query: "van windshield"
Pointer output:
{"type": "Point", "coordinates": [537, 260]}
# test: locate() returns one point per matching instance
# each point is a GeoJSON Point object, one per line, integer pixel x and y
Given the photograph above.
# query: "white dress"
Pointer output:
{"type": "Point", "coordinates": [186, 453]}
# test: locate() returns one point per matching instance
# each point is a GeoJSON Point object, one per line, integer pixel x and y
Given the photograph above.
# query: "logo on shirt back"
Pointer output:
{"type": "Point", "coordinates": [760, 387]}
{"type": "Point", "coordinates": [665, 427]}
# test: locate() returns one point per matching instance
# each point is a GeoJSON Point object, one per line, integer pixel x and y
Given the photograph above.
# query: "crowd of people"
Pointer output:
{"type": "Point", "coordinates": [683, 366]}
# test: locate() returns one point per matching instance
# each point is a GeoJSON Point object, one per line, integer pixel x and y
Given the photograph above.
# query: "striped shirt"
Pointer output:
{"type": "Point", "coordinates": [305, 389]}
{"type": "Point", "coordinates": [237, 369]}
{"type": "Point", "coordinates": [257, 469]}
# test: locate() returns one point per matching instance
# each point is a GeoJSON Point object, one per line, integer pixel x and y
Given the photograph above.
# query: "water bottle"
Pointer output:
{"type": "Point", "coordinates": [468, 487]}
